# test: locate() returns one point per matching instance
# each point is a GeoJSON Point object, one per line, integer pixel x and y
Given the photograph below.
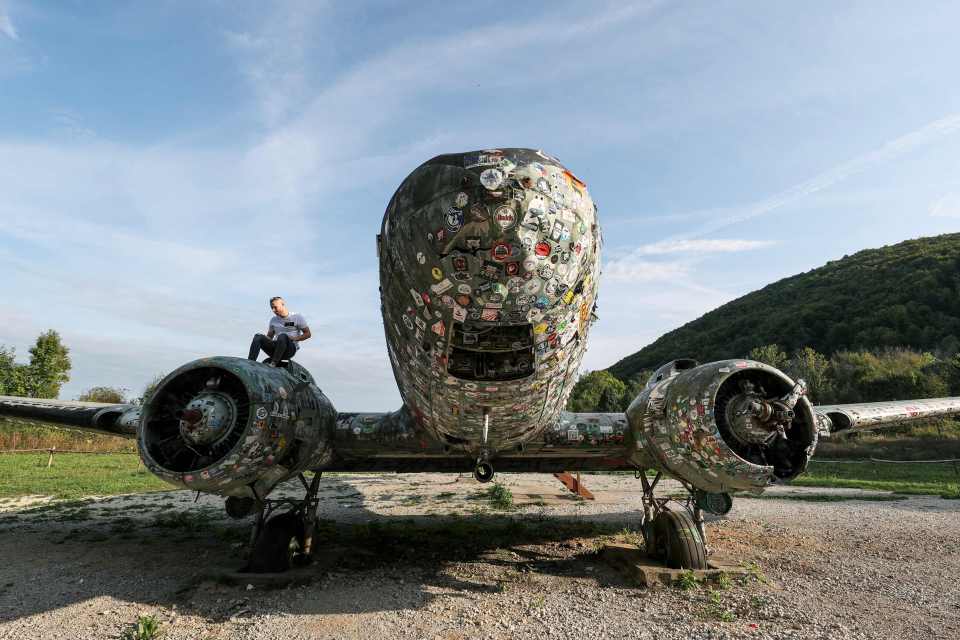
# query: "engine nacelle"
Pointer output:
{"type": "Point", "coordinates": [723, 426]}
{"type": "Point", "coordinates": [236, 427]}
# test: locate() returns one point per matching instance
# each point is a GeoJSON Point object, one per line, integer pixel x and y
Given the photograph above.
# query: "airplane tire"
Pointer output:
{"type": "Point", "coordinates": [276, 547]}
{"type": "Point", "coordinates": [678, 542]}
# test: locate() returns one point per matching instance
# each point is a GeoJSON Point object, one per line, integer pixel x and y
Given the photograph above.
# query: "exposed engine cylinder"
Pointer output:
{"type": "Point", "coordinates": [722, 426]}
{"type": "Point", "coordinates": [236, 427]}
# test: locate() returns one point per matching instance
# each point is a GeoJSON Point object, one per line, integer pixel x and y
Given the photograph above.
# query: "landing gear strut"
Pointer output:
{"type": "Point", "coordinates": [277, 541]}
{"type": "Point", "coordinates": [675, 537]}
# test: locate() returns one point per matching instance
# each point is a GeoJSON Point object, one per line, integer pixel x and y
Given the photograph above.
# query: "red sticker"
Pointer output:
{"type": "Point", "coordinates": [542, 249]}
{"type": "Point", "coordinates": [500, 251]}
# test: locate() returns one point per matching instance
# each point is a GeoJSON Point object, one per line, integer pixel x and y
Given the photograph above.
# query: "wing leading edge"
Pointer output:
{"type": "Point", "coordinates": [110, 419]}
{"type": "Point", "coordinates": [864, 416]}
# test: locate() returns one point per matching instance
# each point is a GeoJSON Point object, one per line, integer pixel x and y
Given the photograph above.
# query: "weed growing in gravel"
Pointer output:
{"type": "Point", "coordinates": [413, 500]}
{"type": "Point", "coordinates": [145, 628]}
{"type": "Point", "coordinates": [686, 580]}
{"type": "Point", "coordinates": [500, 497]}
{"type": "Point", "coordinates": [444, 495]}
{"type": "Point", "coordinates": [952, 492]}
{"type": "Point", "coordinates": [715, 608]}
{"type": "Point", "coordinates": [755, 572]}
{"type": "Point", "coordinates": [723, 581]}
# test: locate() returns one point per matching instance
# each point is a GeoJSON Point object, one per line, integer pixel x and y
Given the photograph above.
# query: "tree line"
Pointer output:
{"type": "Point", "coordinates": [906, 294]}
{"type": "Point", "coordinates": [886, 373]}
{"type": "Point", "coordinates": [49, 369]}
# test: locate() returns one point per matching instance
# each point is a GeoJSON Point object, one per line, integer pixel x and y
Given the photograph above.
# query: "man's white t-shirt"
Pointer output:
{"type": "Point", "coordinates": [293, 325]}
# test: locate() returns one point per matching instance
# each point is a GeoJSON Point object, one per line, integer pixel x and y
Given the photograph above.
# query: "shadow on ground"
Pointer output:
{"type": "Point", "coordinates": [159, 552]}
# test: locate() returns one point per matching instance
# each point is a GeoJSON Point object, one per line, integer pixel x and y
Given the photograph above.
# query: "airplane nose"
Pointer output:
{"type": "Point", "coordinates": [523, 240]}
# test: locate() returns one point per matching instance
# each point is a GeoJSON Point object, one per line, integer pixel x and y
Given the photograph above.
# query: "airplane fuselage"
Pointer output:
{"type": "Point", "coordinates": [488, 277]}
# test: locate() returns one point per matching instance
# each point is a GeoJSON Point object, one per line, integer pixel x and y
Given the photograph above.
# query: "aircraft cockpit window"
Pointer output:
{"type": "Point", "coordinates": [491, 352]}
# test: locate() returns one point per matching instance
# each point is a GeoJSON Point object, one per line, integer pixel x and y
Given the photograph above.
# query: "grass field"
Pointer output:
{"type": "Point", "coordinates": [74, 475]}
{"type": "Point", "coordinates": [925, 479]}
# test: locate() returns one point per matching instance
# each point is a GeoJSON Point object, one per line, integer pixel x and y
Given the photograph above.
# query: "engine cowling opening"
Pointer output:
{"type": "Point", "coordinates": [755, 421]}
{"type": "Point", "coordinates": [723, 426]}
{"type": "Point", "coordinates": [196, 418]}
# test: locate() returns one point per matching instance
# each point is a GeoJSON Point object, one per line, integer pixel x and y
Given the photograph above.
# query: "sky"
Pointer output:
{"type": "Point", "coordinates": [167, 167]}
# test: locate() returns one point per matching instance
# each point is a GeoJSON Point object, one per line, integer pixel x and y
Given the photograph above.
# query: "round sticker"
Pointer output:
{"type": "Point", "coordinates": [532, 286]}
{"type": "Point", "coordinates": [437, 274]}
{"type": "Point", "coordinates": [261, 413]}
{"type": "Point", "coordinates": [500, 251]}
{"type": "Point", "coordinates": [454, 220]}
{"type": "Point", "coordinates": [461, 200]}
{"type": "Point", "coordinates": [542, 249]}
{"type": "Point", "coordinates": [529, 264]}
{"type": "Point", "coordinates": [506, 218]}
{"type": "Point", "coordinates": [491, 178]}
{"type": "Point", "coordinates": [421, 258]}
{"type": "Point", "coordinates": [463, 300]}
{"type": "Point", "coordinates": [464, 289]}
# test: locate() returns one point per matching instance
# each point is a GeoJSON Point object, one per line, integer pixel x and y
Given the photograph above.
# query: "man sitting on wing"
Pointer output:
{"type": "Point", "coordinates": [284, 331]}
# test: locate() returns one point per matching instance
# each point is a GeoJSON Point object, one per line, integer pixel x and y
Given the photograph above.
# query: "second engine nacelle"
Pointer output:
{"type": "Point", "coordinates": [723, 426]}
{"type": "Point", "coordinates": [235, 427]}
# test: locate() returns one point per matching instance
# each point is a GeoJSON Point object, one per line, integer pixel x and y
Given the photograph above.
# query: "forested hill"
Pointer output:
{"type": "Point", "coordinates": [907, 294]}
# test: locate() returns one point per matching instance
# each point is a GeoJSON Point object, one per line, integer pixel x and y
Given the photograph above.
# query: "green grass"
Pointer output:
{"type": "Point", "coordinates": [145, 628]}
{"type": "Point", "coordinates": [828, 497]}
{"type": "Point", "coordinates": [922, 479]}
{"type": "Point", "coordinates": [500, 497]}
{"type": "Point", "coordinates": [74, 476]}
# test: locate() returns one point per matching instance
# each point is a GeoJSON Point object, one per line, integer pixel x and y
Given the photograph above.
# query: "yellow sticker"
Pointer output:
{"type": "Point", "coordinates": [437, 274]}
{"type": "Point", "coordinates": [540, 328]}
{"type": "Point", "coordinates": [568, 296]}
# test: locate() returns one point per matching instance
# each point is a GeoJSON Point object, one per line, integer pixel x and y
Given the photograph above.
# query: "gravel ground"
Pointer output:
{"type": "Point", "coordinates": [427, 556]}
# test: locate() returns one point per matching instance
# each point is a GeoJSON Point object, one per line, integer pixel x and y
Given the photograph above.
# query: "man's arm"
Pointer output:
{"type": "Point", "coordinates": [270, 332]}
{"type": "Point", "coordinates": [304, 335]}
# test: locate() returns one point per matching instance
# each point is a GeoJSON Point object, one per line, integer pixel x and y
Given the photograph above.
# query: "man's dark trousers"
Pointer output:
{"type": "Point", "coordinates": [282, 348]}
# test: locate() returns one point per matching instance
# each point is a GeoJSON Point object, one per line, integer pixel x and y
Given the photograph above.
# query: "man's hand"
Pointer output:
{"type": "Point", "coordinates": [270, 333]}
{"type": "Point", "coordinates": [303, 336]}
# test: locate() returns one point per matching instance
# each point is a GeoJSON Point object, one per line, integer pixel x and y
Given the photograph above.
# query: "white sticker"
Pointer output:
{"type": "Point", "coordinates": [491, 178]}
{"type": "Point", "coordinates": [505, 217]}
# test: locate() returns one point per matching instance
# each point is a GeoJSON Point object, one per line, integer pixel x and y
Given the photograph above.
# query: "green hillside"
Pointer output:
{"type": "Point", "coordinates": [907, 294]}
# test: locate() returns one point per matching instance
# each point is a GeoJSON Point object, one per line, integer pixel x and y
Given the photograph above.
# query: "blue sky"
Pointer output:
{"type": "Point", "coordinates": [167, 167]}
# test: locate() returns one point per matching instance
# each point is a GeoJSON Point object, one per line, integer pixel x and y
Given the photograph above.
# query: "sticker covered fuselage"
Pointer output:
{"type": "Point", "coordinates": [488, 274]}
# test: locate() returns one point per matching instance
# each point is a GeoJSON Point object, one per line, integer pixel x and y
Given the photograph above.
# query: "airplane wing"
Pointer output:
{"type": "Point", "coordinates": [96, 417]}
{"type": "Point", "coordinates": [864, 416]}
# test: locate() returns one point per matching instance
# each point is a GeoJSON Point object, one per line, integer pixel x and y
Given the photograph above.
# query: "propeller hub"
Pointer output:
{"type": "Point", "coordinates": [208, 418]}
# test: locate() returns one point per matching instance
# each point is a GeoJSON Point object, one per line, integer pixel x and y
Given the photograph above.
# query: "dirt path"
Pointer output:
{"type": "Point", "coordinates": [426, 556]}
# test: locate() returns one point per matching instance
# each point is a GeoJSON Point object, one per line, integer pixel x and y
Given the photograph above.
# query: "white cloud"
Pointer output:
{"type": "Point", "coordinates": [699, 247]}
{"type": "Point", "coordinates": [631, 269]}
{"type": "Point", "coordinates": [6, 24]}
{"type": "Point", "coordinates": [947, 206]}
{"type": "Point", "coordinates": [926, 135]}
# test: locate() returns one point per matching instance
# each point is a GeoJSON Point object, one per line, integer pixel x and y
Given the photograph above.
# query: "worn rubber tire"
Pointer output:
{"type": "Point", "coordinates": [678, 542]}
{"type": "Point", "coordinates": [272, 550]}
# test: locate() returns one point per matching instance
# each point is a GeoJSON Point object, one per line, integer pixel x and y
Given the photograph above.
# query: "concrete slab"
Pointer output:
{"type": "Point", "coordinates": [323, 560]}
{"type": "Point", "coordinates": [633, 562]}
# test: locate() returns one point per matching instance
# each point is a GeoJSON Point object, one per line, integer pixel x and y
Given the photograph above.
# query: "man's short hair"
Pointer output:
{"type": "Point", "coordinates": [274, 299]}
